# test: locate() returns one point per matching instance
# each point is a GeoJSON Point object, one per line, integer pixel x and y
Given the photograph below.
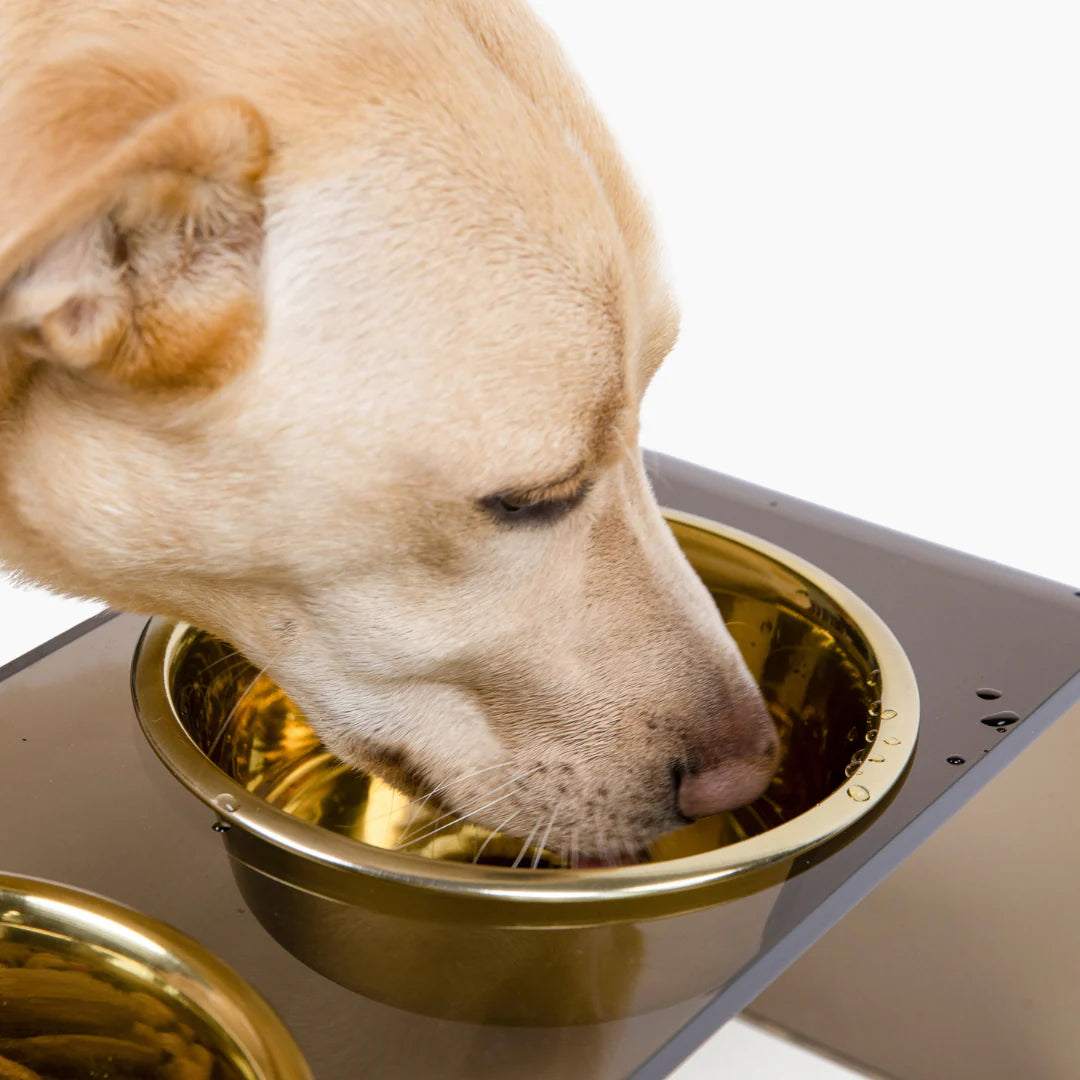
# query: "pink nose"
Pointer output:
{"type": "Point", "coordinates": [728, 786]}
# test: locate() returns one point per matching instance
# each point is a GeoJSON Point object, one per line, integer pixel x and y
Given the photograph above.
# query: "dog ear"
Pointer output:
{"type": "Point", "coordinates": [130, 224]}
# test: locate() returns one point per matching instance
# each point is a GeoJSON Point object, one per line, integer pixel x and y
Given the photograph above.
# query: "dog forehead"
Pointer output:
{"type": "Point", "coordinates": [480, 285]}
{"type": "Point", "coordinates": [513, 426]}
{"type": "Point", "coordinates": [469, 323]}
{"type": "Point", "coordinates": [397, 253]}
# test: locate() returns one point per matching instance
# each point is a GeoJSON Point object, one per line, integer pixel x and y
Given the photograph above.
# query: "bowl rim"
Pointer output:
{"type": "Point", "coordinates": [191, 970]}
{"type": "Point", "coordinates": [837, 812]}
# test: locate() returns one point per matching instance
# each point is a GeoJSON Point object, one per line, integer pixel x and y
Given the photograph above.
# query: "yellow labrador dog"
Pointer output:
{"type": "Point", "coordinates": [324, 325]}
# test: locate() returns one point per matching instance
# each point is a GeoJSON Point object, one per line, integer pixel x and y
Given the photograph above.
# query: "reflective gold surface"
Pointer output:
{"type": "Point", "coordinates": [816, 668]}
{"type": "Point", "coordinates": [94, 991]}
{"type": "Point", "coordinates": [840, 689]}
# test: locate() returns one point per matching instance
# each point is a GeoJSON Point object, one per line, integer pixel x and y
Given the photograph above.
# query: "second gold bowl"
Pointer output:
{"type": "Point", "coordinates": [93, 990]}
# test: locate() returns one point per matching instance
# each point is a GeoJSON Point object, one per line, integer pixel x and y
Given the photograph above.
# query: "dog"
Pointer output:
{"type": "Point", "coordinates": [324, 326]}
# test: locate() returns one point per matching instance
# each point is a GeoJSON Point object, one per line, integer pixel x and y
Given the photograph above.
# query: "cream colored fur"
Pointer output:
{"type": "Point", "coordinates": [287, 290]}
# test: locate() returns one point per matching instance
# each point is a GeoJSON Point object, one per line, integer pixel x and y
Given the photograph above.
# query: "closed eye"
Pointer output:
{"type": "Point", "coordinates": [527, 509]}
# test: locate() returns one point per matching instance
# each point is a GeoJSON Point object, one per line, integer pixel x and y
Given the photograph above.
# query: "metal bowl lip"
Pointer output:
{"type": "Point", "coordinates": [97, 920]}
{"type": "Point", "coordinates": [836, 813]}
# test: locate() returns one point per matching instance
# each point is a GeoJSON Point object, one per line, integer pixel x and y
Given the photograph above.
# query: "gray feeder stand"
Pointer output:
{"type": "Point", "coordinates": [86, 802]}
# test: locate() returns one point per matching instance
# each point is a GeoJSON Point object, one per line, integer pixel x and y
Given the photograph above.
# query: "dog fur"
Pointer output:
{"type": "Point", "coordinates": [299, 302]}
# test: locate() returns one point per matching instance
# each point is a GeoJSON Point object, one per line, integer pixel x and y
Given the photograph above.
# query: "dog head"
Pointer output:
{"type": "Point", "coordinates": [354, 384]}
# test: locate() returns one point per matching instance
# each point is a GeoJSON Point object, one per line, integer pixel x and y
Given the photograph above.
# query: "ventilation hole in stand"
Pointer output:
{"type": "Point", "coordinates": [987, 693]}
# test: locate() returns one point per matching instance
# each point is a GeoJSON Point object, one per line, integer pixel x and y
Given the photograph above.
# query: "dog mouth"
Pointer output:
{"type": "Point", "coordinates": [521, 832]}
{"type": "Point", "coordinates": [608, 862]}
{"type": "Point", "coordinates": [524, 811]}
{"type": "Point", "coordinates": [506, 821]}
{"type": "Point", "coordinates": [500, 844]}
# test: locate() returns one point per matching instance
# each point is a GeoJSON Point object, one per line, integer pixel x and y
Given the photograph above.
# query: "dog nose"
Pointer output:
{"type": "Point", "coordinates": [723, 787]}
{"type": "Point", "coordinates": [729, 784]}
{"type": "Point", "coordinates": [732, 749]}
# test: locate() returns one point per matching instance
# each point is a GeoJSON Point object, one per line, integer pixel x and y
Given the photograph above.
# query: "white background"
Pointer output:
{"type": "Point", "coordinates": [872, 219]}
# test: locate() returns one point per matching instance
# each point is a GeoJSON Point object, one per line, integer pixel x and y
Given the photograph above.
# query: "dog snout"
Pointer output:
{"type": "Point", "coordinates": [734, 771]}
{"type": "Point", "coordinates": [724, 787]}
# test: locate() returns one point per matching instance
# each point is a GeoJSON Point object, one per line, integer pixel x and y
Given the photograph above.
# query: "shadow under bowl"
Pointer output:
{"type": "Point", "coordinates": [381, 894]}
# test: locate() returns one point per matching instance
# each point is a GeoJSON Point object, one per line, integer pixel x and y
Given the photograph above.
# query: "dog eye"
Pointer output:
{"type": "Point", "coordinates": [521, 510]}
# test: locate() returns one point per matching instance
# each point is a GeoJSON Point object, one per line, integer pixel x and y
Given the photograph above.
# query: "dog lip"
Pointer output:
{"type": "Point", "coordinates": [677, 772]}
{"type": "Point", "coordinates": [597, 862]}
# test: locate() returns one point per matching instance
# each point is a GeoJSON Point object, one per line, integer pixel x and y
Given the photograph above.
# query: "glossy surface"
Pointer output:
{"type": "Point", "coordinates": [345, 871]}
{"type": "Point", "coordinates": [91, 990]}
{"type": "Point", "coordinates": [836, 681]}
{"type": "Point", "coordinates": [95, 807]}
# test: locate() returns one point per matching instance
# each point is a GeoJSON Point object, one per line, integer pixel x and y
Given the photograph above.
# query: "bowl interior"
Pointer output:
{"type": "Point", "coordinates": [89, 989]}
{"type": "Point", "coordinates": [814, 663]}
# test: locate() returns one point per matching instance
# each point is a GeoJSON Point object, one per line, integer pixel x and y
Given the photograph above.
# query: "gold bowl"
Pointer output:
{"type": "Point", "coordinates": [383, 894]}
{"type": "Point", "coordinates": [90, 989]}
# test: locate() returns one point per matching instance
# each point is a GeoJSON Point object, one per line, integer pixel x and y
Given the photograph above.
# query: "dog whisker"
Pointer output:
{"type": "Point", "coordinates": [448, 784]}
{"type": "Point", "coordinates": [603, 847]}
{"type": "Point", "coordinates": [232, 655]}
{"type": "Point", "coordinates": [525, 846]}
{"type": "Point", "coordinates": [236, 705]}
{"type": "Point", "coordinates": [490, 835]}
{"type": "Point", "coordinates": [629, 850]}
{"type": "Point", "coordinates": [422, 799]}
{"type": "Point", "coordinates": [449, 813]}
{"type": "Point", "coordinates": [468, 813]}
{"type": "Point", "coordinates": [543, 840]}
